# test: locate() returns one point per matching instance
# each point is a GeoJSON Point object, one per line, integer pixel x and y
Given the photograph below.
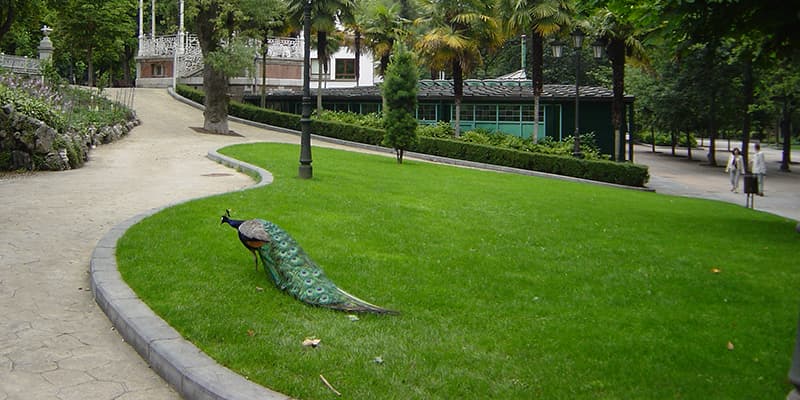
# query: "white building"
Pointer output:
{"type": "Point", "coordinates": [165, 60]}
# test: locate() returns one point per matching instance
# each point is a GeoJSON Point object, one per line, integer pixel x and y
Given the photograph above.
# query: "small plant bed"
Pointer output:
{"type": "Point", "coordinates": [509, 287]}
{"type": "Point", "coordinates": [53, 127]}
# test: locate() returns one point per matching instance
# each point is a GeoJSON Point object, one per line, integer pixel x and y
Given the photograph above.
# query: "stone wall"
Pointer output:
{"type": "Point", "coordinates": [29, 144]}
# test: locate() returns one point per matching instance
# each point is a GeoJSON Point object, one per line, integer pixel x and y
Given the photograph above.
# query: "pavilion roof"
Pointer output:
{"type": "Point", "coordinates": [475, 90]}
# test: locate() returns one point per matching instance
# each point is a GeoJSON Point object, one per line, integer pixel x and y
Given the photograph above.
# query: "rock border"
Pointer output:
{"type": "Point", "coordinates": [192, 373]}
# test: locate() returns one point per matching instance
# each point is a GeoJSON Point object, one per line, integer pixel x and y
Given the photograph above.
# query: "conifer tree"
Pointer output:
{"type": "Point", "coordinates": [400, 96]}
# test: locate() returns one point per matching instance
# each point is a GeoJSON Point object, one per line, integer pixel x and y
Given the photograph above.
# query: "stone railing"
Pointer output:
{"type": "Point", "coordinates": [20, 65]}
{"type": "Point", "coordinates": [190, 57]}
{"type": "Point", "coordinates": [280, 47]}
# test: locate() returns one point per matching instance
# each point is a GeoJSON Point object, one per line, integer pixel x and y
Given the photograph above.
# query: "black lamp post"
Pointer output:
{"type": "Point", "coordinates": [305, 171]}
{"type": "Point", "coordinates": [577, 42]}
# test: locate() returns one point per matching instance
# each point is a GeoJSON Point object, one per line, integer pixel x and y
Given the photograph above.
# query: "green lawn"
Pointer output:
{"type": "Point", "coordinates": [510, 287]}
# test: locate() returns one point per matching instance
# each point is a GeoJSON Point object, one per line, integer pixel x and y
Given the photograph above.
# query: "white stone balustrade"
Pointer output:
{"type": "Point", "coordinates": [20, 65]}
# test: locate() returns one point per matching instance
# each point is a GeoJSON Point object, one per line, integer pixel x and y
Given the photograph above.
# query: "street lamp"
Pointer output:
{"type": "Point", "coordinates": [577, 43]}
{"type": "Point", "coordinates": [305, 171]}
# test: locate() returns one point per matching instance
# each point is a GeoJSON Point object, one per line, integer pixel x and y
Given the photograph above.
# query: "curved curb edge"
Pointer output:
{"type": "Point", "coordinates": [192, 373]}
{"type": "Point", "coordinates": [417, 156]}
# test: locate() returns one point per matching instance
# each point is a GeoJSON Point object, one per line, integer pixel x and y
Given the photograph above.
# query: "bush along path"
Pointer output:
{"type": "Point", "coordinates": [626, 174]}
{"type": "Point", "coordinates": [54, 129]}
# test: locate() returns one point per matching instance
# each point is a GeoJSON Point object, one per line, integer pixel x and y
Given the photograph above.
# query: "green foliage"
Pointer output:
{"type": "Point", "coordinates": [599, 170]}
{"type": "Point", "coordinates": [439, 129]}
{"type": "Point", "coordinates": [620, 173]}
{"type": "Point", "coordinates": [28, 103]}
{"type": "Point", "coordinates": [399, 91]}
{"type": "Point", "coordinates": [94, 31]}
{"type": "Point", "coordinates": [664, 139]}
{"type": "Point", "coordinates": [234, 59]}
{"type": "Point", "coordinates": [510, 287]}
{"type": "Point", "coordinates": [353, 133]}
{"type": "Point", "coordinates": [372, 120]}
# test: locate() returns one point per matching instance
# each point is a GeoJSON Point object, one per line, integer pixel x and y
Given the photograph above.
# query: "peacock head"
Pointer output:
{"type": "Point", "coordinates": [226, 218]}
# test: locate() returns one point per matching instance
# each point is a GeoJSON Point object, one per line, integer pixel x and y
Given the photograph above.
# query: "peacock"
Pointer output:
{"type": "Point", "coordinates": [290, 268]}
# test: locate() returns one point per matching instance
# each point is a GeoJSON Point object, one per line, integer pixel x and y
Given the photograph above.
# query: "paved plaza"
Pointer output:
{"type": "Point", "coordinates": [56, 343]}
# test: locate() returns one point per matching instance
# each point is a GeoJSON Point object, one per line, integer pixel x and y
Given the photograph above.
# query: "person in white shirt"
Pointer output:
{"type": "Point", "coordinates": [759, 168]}
{"type": "Point", "coordinates": [735, 168]}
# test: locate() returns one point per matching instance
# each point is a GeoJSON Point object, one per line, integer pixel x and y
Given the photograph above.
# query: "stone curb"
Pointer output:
{"type": "Point", "coordinates": [192, 373]}
{"type": "Point", "coordinates": [417, 156]}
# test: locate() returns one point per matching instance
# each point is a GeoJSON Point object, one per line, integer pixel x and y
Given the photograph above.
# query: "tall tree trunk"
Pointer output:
{"type": "Point", "coordinates": [458, 93]}
{"type": "Point", "coordinates": [357, 66]}
{"type": "Point", "coordinates": [786, 121]}
{"type": "Point", "coordinates": [264, 53]}
{"type": "Point", "coordinates": [90, 66]}
{"type": "Point", "coordinates": [712, 129]}
{"type": "Point", "coordinates": [8, 19]}
{"type": "Point", "coordinates": [710, 62]}
{"type": "Point", "coordinates": [616, 53]}
{"type": "Point", "coordinates": [673, 141]}
{"type": "Point", "coordinates": [689, 144]}
{"type": "Point", "coordinates": [748, 93]}
{"type": "Point", "coordinates": [537, 59]}
{"type": "Point", "coordinates": [215, 85]}
{"type": "Point", "coordinates": [322, 60]}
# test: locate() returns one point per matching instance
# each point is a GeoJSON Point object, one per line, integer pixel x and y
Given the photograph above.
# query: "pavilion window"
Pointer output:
{"type": "Point", "coordinates": [486, 112]}
{"type": "Point", "coordinates": [508, 112]}
{"type": "Point", "coordinates": [426, 112]}
{"type": "Point", "coordinates": [467, 112]}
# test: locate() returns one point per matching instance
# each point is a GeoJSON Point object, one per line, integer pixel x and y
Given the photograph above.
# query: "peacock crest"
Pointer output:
{"type": "Point", "coordinates": [292, 270]}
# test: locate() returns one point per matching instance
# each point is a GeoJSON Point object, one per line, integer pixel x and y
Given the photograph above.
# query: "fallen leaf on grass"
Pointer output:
{"type": "Point", "coordinates": [352, 317]}
{"type": "Point", "coordinates": [251, 332]}
{"type": "Point", "coordinates": [378, 360]}
{"type": "Point", "coordinates": [259, 289]}
{"type": "Point", "coordinates": [311, 342]}
{"type": "Point", "coordinates": [730, 345]}
{"type": "Point", "coordinates": [715, 270]}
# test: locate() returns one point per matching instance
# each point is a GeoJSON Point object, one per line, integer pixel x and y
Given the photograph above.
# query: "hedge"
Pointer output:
{"type": "Point", "coordinates": [627, 174]}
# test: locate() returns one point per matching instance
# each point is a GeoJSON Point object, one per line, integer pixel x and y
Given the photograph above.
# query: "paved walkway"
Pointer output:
{"type": "Point", "coordinates": [55, 343]}
{"type": "Point", "coordinates": [677, 175]}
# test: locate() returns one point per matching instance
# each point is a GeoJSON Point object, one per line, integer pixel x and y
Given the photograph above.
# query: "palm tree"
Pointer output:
{"type": "Point", "coordinates": [541, 18]}
{"type": "Point", "coordinates": [325, 14]}
{"type": "Point", "coordinates": [382, 26]}
{"type": "Point", "coordinates": [457, 30]}
{"type": "Point", "coordinates": [622, 40]}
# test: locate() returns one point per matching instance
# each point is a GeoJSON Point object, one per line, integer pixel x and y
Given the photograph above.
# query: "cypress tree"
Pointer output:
{"type": "Point", "coordinates": [400, 96]}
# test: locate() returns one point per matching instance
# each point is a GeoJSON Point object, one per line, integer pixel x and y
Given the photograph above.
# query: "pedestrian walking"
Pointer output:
{"type": "Point", "coordinates": [735, 168]}
{"type": "Point", "coordinates": [759, 168]}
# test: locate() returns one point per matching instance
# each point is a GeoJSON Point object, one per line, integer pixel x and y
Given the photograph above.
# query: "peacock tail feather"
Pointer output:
{"type": "Point", "coordinates": [293, 272]}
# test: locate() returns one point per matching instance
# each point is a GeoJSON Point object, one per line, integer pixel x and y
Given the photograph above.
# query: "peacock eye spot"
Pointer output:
{"type": "Point", "coordinates": [319, 290]}
{"type": "Point", "coordinates": [309, 282]}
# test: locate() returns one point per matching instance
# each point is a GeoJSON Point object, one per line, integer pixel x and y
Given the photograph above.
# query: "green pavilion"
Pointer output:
{"type": "Point", "coordinates": [504, 105]}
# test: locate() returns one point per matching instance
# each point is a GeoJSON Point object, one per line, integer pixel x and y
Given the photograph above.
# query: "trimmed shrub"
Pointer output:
{"type": "Point", "coordinates": [599, 170]}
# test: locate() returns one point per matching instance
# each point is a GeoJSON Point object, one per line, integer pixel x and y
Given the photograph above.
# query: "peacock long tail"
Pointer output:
{"type": "Point", "coordinates": [295, 273]}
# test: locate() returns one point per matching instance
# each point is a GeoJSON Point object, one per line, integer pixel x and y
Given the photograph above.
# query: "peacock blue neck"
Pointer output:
{"type": "Point", "coordinates": [232, 222]}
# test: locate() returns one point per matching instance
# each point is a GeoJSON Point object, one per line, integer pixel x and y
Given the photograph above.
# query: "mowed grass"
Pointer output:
{"type": "Point", "coordinates": [510, 287]}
